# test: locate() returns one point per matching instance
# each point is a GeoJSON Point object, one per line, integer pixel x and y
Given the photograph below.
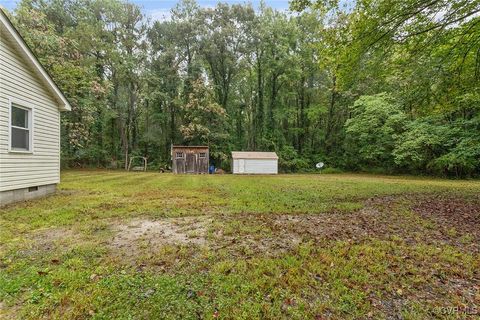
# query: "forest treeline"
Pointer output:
{"type": "Point", "coordinates": [376, 85]}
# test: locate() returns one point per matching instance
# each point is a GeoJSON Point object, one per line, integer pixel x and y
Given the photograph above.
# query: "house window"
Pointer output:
{"type": "Point", "coordinates": [203, 154]}
{"type": "Point", "coordinates": [179, 155]}
{"type": "Point", "coordinates": [20, 128]}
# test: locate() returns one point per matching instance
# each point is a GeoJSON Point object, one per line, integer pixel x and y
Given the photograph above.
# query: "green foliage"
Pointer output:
{"type": "Point", "coordinates": [422, 142]}
{"type": "Point", "coordinates": [329, 170]}
{"type": "Point", "coordinates": [446, 149]}
{"type": "Point", "coordinates": [372, 130]}
{"type": "Point", "coordinates": [289, 161]}
{"type": "Point", "coordinates": [464, 158]}
{"type": "Point", "coordinates": [371, 85]}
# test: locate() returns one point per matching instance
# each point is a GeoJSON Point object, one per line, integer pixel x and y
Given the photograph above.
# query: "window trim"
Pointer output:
{"type": "Point", "coordinates": [181, 157]}
{"type": "Point", "coordinates": [29, 108]}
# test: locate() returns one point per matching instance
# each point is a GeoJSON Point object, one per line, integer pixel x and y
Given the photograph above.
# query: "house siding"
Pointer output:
{"type": "Point", "coordinates": [18, 82]}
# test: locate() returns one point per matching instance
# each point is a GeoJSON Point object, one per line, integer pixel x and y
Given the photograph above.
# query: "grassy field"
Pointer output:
{"type": "Point", "coordinates": [115, 245]}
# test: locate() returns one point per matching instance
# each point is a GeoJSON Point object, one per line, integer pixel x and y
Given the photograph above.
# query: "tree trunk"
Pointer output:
{"type": "Point", "coordinates": [172, 123]}
{"type": "Point", "coordinates": [259, 118]}
{"type": "Point", "coordinates": [271, 106]}
{"type": "Point", "coordinates": [301, 116]}
{"type": "Point", "coordinates": [331, 112]}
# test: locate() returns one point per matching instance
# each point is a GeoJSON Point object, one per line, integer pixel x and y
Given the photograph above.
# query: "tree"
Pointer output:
{"type": "Point", "coordinates": [384, 85]}
{"type": "Point", "coordinates": [204, 120]}
{"type": "Point", "coordinates": [372, 130]}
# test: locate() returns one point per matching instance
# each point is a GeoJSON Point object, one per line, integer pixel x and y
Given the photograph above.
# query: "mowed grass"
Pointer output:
{"type": "Point", "coordinates": [343, 246]}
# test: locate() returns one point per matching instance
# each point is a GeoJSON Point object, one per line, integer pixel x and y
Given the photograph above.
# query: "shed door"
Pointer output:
{"type": "Point", "coordinates": [241, 165]}
{"type": "Point", "coordinates": [191, 162]}
{"type": "Point", "coordinates": [179, 165]}
{"type": "Point", "coordinates": [202, 162]}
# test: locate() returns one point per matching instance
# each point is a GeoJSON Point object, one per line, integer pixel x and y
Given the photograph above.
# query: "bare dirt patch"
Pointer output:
{"type": "Point", "coordinates": [255, 244]}
{"type": "Point", "coordinates": [155, 233]}
{"type": "Point", "coordinates": [47, 240]}
{"type": "Point", "coordinates": [43, 244]}
{"type": "Point", "coordinates": [414, 219]}
{"type": "Point", "coordinates": [451, 212]}
{"type": "Point", "coordinates": [247, 235]}
{"type": "Point", "coordinates": [3, 311]}
{"type": "Point", "coordinates": [53, 235]}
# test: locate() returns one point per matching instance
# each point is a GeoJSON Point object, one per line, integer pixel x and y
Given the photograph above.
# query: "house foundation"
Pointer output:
{"type": "Point", "coordinates": [11, 196]}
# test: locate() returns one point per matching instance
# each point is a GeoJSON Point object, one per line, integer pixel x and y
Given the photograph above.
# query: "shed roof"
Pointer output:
{"type": "Point", "coordinates": [7, 27]}
{"type": "Point", "coordinates": [254, 155]}
{"type": "Point", "coordinates": [178, 146]}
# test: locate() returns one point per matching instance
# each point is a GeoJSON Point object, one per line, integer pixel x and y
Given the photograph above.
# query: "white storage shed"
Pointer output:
{"type": "Point", "coordinates": [251, 162]}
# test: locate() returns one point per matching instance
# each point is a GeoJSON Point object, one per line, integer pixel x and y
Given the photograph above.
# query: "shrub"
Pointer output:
{"type": "Point", "coordinates": [372, 131]}
{"type": "Point", "coordinates": [290, 161]}
{"type": "Point", "coordinates": [331, 171]}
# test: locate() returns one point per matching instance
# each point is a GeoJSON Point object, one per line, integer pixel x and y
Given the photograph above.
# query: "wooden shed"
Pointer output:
{"type": "Point", "coordinates": [190, 159]}
{"type": "Point", "coordinates": [250, 162]}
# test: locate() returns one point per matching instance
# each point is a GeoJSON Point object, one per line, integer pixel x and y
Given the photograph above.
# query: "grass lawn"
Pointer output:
{"type": "Point", "coordinates": [116, 245]}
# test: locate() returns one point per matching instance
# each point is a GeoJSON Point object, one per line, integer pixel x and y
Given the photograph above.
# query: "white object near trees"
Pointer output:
{"type": "Point", "coordinates": [251, 162]}
{"type": "Point", "coordinates": [30, 106]}
{"type": "Point", "coordinates": [138, 168]}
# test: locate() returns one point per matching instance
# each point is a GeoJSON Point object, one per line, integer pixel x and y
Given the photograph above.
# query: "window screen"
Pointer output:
{"type": "Point", "coordinates": [19, 117]}
{"type": "Point", "coordinates": [20, 128]}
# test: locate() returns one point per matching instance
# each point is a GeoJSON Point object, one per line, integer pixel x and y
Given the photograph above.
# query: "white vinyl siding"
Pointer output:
{"type": "Point", "coordinates": [21, 86]}
{"type": "Point", "coordinates": [255, 166]}
{"type": "Point", "coordinates": [235, 166]}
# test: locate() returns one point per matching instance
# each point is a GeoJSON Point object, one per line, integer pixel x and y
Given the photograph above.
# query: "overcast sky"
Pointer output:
{"type": "Point", "coordinates": [158, 9]}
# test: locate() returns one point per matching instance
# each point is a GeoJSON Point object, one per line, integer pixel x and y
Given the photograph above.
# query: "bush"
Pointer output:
{"type": "Point", "coordinates": [372, 131]}
{"type": "Point", "coordinates": [290, 161]}
{"type": "Point", "coordinates": [448, 149]}
{"type": "Point", "coordinates": [331, 171]}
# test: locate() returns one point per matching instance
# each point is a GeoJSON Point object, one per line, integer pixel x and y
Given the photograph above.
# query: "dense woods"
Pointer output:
{"type": "Point", "coordinates": [385, 85]}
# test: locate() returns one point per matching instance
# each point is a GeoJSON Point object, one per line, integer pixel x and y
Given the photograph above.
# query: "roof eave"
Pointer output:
{"type": "Point", "coordinates": [256, 158]}
{"type": "Point", "coordinates": [63, 104]}
{"type": "Point", "coordinates": [65, 107]}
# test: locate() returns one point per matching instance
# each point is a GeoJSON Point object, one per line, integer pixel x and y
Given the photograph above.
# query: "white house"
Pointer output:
{"type": "Point", "coordinates": [30, 106]}
{"type": "Point", "coordinates": [250, 162]}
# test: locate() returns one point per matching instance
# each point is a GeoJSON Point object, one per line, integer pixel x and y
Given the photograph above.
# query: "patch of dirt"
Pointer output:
{"type": "Point", "coordinates": [330, 226]}
{"type": "Point", "coordinates": [46, 240]}
{"type": "Point", "coordinates": [461, 214]}
{"type": "Point", "coordinates": [249, 245]}
{"type": "Point", "coordinates": [9, 312]}
{"type": "Point", "coordinates": [154, 233]}
{"type": "Point", "coordinates": [425, 219]}
{"type": "Point", "coordinates": [287, 231]}
{"type": "Point", "coordinates": [52, 235]}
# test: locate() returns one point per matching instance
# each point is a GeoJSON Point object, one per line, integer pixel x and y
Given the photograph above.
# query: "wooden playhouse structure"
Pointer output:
{"type": "Point", "coordinates": [190, 159]}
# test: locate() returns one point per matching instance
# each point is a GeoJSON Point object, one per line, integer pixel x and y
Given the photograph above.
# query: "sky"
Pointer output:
{"type": "Point", "coordinates": [160, 9]}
